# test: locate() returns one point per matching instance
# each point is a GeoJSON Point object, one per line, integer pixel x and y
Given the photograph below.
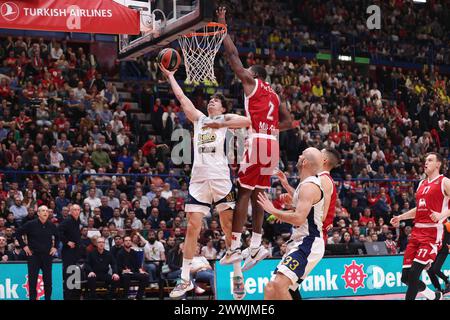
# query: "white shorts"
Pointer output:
{"type": "Point", "coordinates": [301, 257]}
{"type": "Point", "coordinates": [202, 195]}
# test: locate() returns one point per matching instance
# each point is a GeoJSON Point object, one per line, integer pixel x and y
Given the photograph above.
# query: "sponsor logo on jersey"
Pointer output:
{"type": "Point", "coordinates": [422, 203]}
{"type": "Point", "coordinates": [205, 149]}
{"type": "Point", "coordinates": [206, 137]}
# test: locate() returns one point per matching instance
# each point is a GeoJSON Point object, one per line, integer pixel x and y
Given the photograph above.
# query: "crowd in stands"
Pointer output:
{"type": "Point", "coordinates": [67, 127]}
{"type": "Point", "coordinates": [409, 31]}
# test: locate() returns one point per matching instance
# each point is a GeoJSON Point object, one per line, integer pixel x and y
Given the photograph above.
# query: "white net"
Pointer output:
{"type": "Point", "coordinates": [199, 51]}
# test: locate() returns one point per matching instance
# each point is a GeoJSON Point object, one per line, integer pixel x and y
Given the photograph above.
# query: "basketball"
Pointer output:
{"type": "Point", "coordinates": [169, 58]}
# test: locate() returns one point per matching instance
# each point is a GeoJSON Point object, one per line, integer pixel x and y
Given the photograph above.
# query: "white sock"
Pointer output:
{"type": "Point", "coordinates": [428, 293]}
{"type": "Point", "coordinates": [186, 269]}
{"type": "Point", "coordinates": [236, 240]}
{"type": "Point", "coordinates": [255, 242]}
{"type": "Point", "coordinates": [237, 270]}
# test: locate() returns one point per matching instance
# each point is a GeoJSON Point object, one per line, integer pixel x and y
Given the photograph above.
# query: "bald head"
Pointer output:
{"type": "Point", "coordinates": [314, 158]}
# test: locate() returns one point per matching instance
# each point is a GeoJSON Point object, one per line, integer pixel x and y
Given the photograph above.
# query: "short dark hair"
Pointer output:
{"type": "Point", "coordinates": [222, 99]}
{"type": "Point", "coordinates": [259, 71]}
{"type": "Point", "coordinates": [333, 156]}
{"type": "Point", "coordinates": [439, 157]}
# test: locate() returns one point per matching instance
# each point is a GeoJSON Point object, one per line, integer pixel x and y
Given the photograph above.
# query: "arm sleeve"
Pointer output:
{"type": "Point", "coordinates": [119, 262]}
{"type": "Point", "coordinates": [62, 231]}
{"type": "Point", "coordinates": [57, 237]}
{"type": "Point", "coordinates": [114, 265]}
{"type": "Point", "coordinates": [20, 233]}
{"type": "Point", "coordinates": [172, 265]}
{"type": "Point", "coordinates": [89, 263]}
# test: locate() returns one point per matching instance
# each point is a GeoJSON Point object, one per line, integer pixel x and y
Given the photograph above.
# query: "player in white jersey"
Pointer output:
{"type": "Point", "coordinates": [306, 246]}
{"type": "Point", "coordinates": [210, 178]}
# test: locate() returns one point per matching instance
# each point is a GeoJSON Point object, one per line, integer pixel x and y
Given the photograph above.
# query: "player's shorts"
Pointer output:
{"type": "Point", "coordinates": [259, 163]}
{"type": "Point", "coordinates": [424, 244]}
{"type": "Point", "coordinates": [202, 195]}
{"type": "Point", "coordinates": [301, 258]}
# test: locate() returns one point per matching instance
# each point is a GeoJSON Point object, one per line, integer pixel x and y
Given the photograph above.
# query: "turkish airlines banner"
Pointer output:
{"type": "Point", "coordinates": [88, 16]}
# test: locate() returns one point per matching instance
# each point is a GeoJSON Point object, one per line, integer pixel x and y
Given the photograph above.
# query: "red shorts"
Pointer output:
{"type": "Point", "coordinates": [259, 163]}
{"type": "Point", "coordinates": [423, 246]}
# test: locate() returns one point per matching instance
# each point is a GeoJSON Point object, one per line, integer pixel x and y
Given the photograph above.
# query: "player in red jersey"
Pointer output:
{"type": "Point", "coordinates": [331, 159]}
{"type": "Point", "coordinates": [268, 117]}
{"type": "Point", "coordinates": [432, 198]}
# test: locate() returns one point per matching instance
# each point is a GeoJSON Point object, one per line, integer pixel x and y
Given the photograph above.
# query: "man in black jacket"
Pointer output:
{"type": "Point", "coordinates": [17, 254]}
{"type": "Point", "coordinates": [42, 241]}
{"type": "Point", "coordinates": [130, 268]}
{"type": "Point", "coordinates": [97, 266]}
{"type": "Point", "coordinates": [118, 245]}
{"type": "Point", "coordinates": [70, 235]}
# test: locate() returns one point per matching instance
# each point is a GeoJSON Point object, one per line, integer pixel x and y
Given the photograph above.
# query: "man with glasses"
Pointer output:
{"type": "Point", "coordinates": [98, 264]}
{"type": "Point", "coordinates": [42, 241]}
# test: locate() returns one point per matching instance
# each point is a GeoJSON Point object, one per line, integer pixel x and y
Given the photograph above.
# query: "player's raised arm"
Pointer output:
{"type": "Point", "coordinates": [232, 55]}
{"type": "Point", "coordinates": [189, 109]}
{"type": "Point", "coordinates": [285, 119]}
{"type": "Point", "coordinates": [284, 182]}
{"type": "Point", "coordinates": [309, 194]}
{"type": "Point", "coordinates": [232, 121]}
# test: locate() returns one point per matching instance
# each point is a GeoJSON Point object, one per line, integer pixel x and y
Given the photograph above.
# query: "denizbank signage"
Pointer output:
{"type": "Point", "coordinates": [332, 277]}
{"type": "Point", "coordinates": [14, 282]}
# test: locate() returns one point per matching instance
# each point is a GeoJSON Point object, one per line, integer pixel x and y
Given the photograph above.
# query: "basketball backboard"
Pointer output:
{"type": "Point", "coordinates": [163, 21]}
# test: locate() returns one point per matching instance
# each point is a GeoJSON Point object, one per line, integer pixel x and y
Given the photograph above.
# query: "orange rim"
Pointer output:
{"type": "Point", "coordinates": [223, 29]}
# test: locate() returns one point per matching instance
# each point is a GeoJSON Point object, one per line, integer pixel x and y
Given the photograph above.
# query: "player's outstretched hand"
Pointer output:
{"type": "Point", "coordinates": [166, 72]}
{"type": "Point", "coordinates": [266, 203]}
{"type": "Point", "coordinates": [395, 221]}
{"type": "Point", "coordinates": [286, 199]}
{"type": "Point", "coordinates": [221, 13]}
{"type": "Point", "coordinates": [280, 174]}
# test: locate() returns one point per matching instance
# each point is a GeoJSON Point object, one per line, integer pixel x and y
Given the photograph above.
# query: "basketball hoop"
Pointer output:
{"type": "Point", "coordinates": [199, 51]}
